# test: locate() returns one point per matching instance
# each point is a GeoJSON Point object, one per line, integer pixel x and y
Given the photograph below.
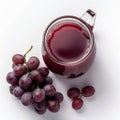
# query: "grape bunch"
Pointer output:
{"type": "Point", "coordinates": [32, 85]}
{"type": "Point", "coordinates": [76, 95]}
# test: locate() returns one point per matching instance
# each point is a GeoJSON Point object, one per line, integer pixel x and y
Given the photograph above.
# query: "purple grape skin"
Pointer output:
{"type": "Point", "coordinates": [36, 77]}
{"type": "Point", "coordinates": [25, 82]}
{"type": "Point", "coordinates": [50, 90]}
{"type": "Point", "coordinates": [26, 99]}
{"type": "Point", "coordinates": [19, 70]}
{"type": "Point", "coordinates": [41, 111]}
{"type": "Point", "coordinates": [73, 93]}
{"type": "Point", "coordinates": [53, 105]}
{"type": "Point", "coordinates": [33, 63]}
{"type": "Point", "coordinates": [48, 80]}
{"type": "Point", "coordinates": [18, 59]}
{"type": "Point", "coordinates": [38, 95]}
{"type": "Point", "coordinates": [11, 88]}
{"type": "Point", "coordinates": [59, 97]}
{"type": "Point", "coordinates": [77, 103]}
{"type": "Point", "coordinates": [88, 91]}
{"type": "Point", "coordinates": [40, 107]}
{"type": "Point", "coordinates": [18, 91]}
{"type": "Point", "coordinates": [43, 71]}
{"type": "Point", "coordinates": [11, 78]}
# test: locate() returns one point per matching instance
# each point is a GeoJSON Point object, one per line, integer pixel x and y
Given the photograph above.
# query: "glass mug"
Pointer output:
{"type": "Point", "coordinates": [68, 47]}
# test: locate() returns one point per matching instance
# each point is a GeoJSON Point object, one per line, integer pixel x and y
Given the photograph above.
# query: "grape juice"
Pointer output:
{"type": "Point", "coordinates": [68, 43]}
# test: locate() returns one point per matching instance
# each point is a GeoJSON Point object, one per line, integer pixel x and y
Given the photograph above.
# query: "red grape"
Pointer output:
{"type": "Point", "coordinates": [88, 91]}
{"type": "Point", "coordinates": [43, 71]}
{"type": "Point", "coordinates": [26, 98]}
{"type": "Point", "coordinates": [33, 63]}
{"type": "Point", "coordinates": [77, 103]}
{"type": "Point", "coordinates": [36, 77]}
{"type": "Point", "coordinates": [18, 59]}
{"type": "Point", "coordinates": [11, 88]}
{"type": "Point", "coordinates": [48, 80]}
{"type": "Point", "coordinates": [53, 105]}
{"type": "Point", "coordinates": [18, 91]}
{"type": "Point", "coordinates": [73, 93]}
{"type": "Point", "coordinates": [50, 90]}
{"type": "Point", "coordinates": [58, 96]}
{"type": "Point", "coordinates": [25, 82]}
{"type": "Point", "coordinates": [40, 107]}
{"type": "Point", "coordinates": [11, 78]}
{"type": "Point", "coordinates": [38, 95]}
{"type": "Point", "coordinates": [19, 70]}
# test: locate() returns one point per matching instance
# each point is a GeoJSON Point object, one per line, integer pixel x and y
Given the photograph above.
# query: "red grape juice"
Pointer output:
{"type": "Point", "coordinates": [68, 43]}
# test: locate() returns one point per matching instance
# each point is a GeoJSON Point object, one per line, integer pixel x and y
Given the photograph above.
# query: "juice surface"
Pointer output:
{"type": "Point", "coordinates": [68, 42]}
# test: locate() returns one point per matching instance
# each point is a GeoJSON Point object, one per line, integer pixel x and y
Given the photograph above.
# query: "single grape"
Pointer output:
{"type": "Point", "coordinates": [73, 93]}
{"type": "Point", "coordinates": [58, 96]}
{"type": "Point", "coordinates": [19, 70]}
{"type": "Point", "coordinates": [53, 105]}
{"type": "Point", "coordinates": [11, 88]}
{"type": "Point", "coordinates": [25, 82]}
{"type": "Point", "coordinates": [88, 91]}
{"type": "Point", "coordinates": [38, 95]}
{"type": "Point", "coordinates": [36, 77]}
{"type": "Point", "coordinates": [40, 107]}
{"type": "Point", "coordinates": [77, 103]}
{"type": "Point", "coordinates": [26, 98]}
{"type": "Point", "coordinates": [48, 80]}
{"type": "Point", "coordinates": [33, 63]}
{"type": "Point", "coordinates": [11, 78]}
{"type": "Point", "coordinates": [50, 90]}
{"type": "Point", "coordinates": [18, 59]}
{"type": "Point", "coordinates": [18, 91]}
{"type": "Point", "coordinates": [43, 71]}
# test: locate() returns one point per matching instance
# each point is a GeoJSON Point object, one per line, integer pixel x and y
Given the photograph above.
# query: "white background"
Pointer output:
{"type": "Point", "coordinates": [22, 23]}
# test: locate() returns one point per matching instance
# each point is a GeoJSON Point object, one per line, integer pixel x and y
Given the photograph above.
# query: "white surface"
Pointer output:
{"type": "Point", "coordinates": [22, 24]}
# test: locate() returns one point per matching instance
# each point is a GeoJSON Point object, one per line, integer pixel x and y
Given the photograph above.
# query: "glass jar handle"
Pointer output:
{"type": "Point", "coordinates": [89, 17]}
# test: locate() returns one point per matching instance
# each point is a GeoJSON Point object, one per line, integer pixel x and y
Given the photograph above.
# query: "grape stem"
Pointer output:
{"type": "Point", "coordinates": [80, 95]}
{"type": "Point", "coordinates": [25, 58]}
